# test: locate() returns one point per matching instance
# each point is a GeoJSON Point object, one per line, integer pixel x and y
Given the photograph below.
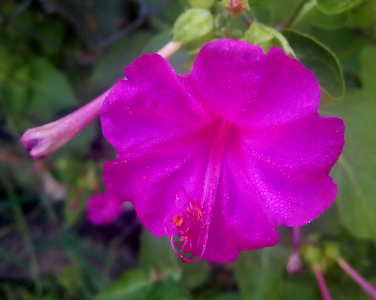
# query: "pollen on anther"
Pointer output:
{"type": "Point", "coordinates": [194, 213]}
{"type": "Point", "coordinates": [187, 234]}
{"type": "Point", "coordinates": [177, 220]}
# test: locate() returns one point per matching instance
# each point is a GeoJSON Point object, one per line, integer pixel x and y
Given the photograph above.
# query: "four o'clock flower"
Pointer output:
{"type": "Point", "coordinates": [102, 209]}
{"type": "Point", "coordinates": [218, 158]}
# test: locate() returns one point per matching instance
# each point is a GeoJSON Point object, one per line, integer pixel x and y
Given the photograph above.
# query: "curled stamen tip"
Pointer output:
{"type": "Point", "coordinates": [180, 253]}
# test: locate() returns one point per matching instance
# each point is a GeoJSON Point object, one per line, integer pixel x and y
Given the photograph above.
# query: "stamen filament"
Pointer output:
{"type": "Point", "coordinates": [211, 183]}
{"type": "Point", "coordinates": [321, 282]}
{"type": "Point", "coordinates": [363, 283]}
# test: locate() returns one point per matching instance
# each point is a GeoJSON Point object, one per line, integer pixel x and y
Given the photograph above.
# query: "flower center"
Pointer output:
{"type": "Point", "coordinates": [192, 221]}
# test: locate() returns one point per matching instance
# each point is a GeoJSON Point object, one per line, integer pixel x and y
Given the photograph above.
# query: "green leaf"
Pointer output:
{"type": "Point", "coordinates": [134, 284]}
{"type": "Point", "coordinates": [368, 67]}
{"type": "Point", "coordinates": [51, 90]}
{"type": "Point", "coordinates": [167, 290]}
{"type": "Point", "coordinates": [156, 253]}
{"type": "Point", "coordinates": [282, 11]}
{"type": "Point", "coordinates": [320, 60]}
{"type": "Point", "coordinates": [118, 56]}
{"type": "Point", "coordinates": [325, 21]}
{"type": "Point", "coordinates": [363, 15]}
{"type": "Point", "coordinates": [35, 91]}
{"type": "Point", "coordinates": [70, 278]}
{"type": "Point", "coordinates": [259, 273]}
{"type": "Point", "coordinates": [337, 6]}
{"type": "Point", "coordinates": [195, 274]}
{"type": "Point", "coordinates": [345, 44]}
{"type": "Point", "coordinates": [355, 172]}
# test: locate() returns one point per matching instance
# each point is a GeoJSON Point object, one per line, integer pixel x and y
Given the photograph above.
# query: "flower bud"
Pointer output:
{"type": "Point", "coordinates": [235, 7]}
{"type": "Point", "coordinates": [260, 36]}
{"type": "Point", "coordinates": [332, 250]}
{"type": "Point", "coordinates": [193, 28]}
{"type": "Point", "coordinates": [201, 3]}
{"type": "Point", "coordinates": [267, 37]}
{"type": "Point", "coordinates": [294, 264]}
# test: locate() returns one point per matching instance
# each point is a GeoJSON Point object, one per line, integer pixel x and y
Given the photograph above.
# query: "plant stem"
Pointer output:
{"type": "Point", "coordinates": [364, 284]}
{"type": "Point", "coordinates": [294, 264]}
{"type": "Point", "coordinates": [321, 281]}
{"type": "Point", "coordinates": [296, 236]}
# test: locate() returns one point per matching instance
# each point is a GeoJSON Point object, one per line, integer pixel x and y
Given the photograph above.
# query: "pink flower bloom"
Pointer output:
{"type": "Point", "coordinates": [102, 209]}
{"type": "Point", "coordinates": [219, 157]}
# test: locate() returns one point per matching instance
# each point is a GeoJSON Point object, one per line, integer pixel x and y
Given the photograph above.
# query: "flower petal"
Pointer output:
{"type": "Point", "coordinates": [240, 83]}
{"type": "Point", "coordinates": [289, 168]}
{"type": "Point", "coordinates": [238, 222]}
{"type": "Point", "coordinates": [306, 149]}
{"type": "Point", "coordinates": [151, 106]}
{"type": "Point", "coordinates": [152, 180]}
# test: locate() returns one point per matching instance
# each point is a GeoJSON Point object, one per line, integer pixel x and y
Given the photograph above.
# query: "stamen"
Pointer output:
{"type": "Point", "coordinates": [193, 232]}
{"type": "Point", "coordinates": [177, 221]}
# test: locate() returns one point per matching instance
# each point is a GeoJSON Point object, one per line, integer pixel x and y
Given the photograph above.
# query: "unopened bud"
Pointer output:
{"type": "Point", "coordinates": [267, 37]}
{"type": "Point", "coordinates": [294, 264]}
{"type": "Point", "coordinates": [194, 28]}
{"type": "Point", "coordinates": [235, 7]}
{"type": "Point", "coordinates": [43, 141]}
{"type": "Point", "coordinates": [332, 250]}
{"type": "Point", "coordinates": [260, 36]}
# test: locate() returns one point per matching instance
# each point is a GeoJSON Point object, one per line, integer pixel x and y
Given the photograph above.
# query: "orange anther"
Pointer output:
{"type": "Point", "coordinates": [177, 220]}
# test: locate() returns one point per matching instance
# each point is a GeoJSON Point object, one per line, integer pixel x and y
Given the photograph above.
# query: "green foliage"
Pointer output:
{"type": "Point", "coordinates": [259, 270]}
{"type": "Point", "coordinates": [106, 71]}
{"type": "Point", "coordinates": [135, 284]}
{"type": "Point", "coordinates": [200, 3]}
{"type": "Point", "coordinates": [326, 21]}
{"type": "Point", "coordinates": [320, 60]}
{"type": "Point", "coordinates": [337, 6]}
{"type": "Point", "coordinates": [355, 172]}
{"type": "Point", "coordinates": [193, 28]}
{"type": "Point", "coordinates": [30, 89]}
{"type": "Point", "coordinates": [267, 37]}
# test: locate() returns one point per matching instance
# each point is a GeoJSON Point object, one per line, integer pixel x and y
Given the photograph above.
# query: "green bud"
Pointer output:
{"type": "Point", "coordinates": [201, 3]}
{"type": "Point", "coordinates": [332, 250]}
{"type": "Point", "coordinates": [259, 35]}
{"type": "Point", "coordinates": [311, 254]}
{"type": "Point", "coordinates": [193, 28]}
{"type": "Point", "coordinates": [267, 37]}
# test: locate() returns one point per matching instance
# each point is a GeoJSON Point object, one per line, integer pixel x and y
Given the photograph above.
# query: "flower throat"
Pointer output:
{"type": "Point", "coordinates": [192, 221]}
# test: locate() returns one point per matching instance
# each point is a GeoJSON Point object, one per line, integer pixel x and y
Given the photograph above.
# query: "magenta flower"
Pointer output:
{"type": "Point", "coordinates": [102, 209]}
{"type": "Point", "coordinates": [217, 158]}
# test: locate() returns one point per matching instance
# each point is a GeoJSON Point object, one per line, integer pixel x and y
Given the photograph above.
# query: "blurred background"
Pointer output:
{"type": "Point", "coordinates": [57, 55]}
